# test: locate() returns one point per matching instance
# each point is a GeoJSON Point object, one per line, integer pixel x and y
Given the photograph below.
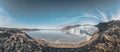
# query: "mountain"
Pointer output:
{"type": "Point", "coordinates": [106, 39]}
{"type": "Point", "coordinates": [80, 29]}
{"type": "Point", "coordinates": [15, 29]}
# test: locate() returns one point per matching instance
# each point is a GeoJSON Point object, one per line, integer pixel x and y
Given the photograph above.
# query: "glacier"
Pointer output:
{"type": "Point", "coordinates": [84, 31]}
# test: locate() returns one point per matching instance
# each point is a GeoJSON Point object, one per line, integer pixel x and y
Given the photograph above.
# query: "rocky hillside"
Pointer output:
{"type": "Point", "coordinates": [106, 40]}
{"type": "Point", "coordinates": [16, 41]}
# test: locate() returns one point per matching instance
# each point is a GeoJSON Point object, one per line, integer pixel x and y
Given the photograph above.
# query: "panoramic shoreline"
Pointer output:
{"type": "Point", "coordinates": [106, 36]}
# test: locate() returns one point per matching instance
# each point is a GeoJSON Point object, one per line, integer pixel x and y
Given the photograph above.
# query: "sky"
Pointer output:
{"type": "Point", "coordinates": [56, 13]}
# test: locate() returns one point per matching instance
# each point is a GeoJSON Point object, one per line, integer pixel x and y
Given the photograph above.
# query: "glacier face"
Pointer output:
{"type": "Point", "coordinates": [82, 31]}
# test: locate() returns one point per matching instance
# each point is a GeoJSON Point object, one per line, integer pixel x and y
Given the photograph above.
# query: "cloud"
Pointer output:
{"type": "Point", "coordinates": [104, 16]}
{"type": "Point", "coordinates": [5, 19]}
{"type": "Point", "coordinates": [73, 20]}
{"type": "Point", "coordinates": [117, 17]}
{"type": "Point", "coordinates": [91, 16]}
{"type": "Point", "coordinates": [78, 20]}
{"type": "Point", "coordinates": [87, 22]}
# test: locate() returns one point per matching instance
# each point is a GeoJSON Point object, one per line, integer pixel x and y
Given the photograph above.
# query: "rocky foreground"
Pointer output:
{"type": "Point", "coordinates": [106, 40]}
{"type": "Point", "coordinates": [16, 41]}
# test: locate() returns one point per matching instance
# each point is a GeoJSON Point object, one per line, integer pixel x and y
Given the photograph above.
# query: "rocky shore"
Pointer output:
{"type": "Point", "coordinates": [106, 40]}
{"type": "Point", "coordinates": [17, 41]}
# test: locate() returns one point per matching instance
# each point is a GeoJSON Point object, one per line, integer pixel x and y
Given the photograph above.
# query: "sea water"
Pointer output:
{"type": "Point", "coordinates": [53, 36]}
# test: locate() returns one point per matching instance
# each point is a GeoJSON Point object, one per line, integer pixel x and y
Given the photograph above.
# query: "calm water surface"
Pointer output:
{"type": "Point", "coordinates": [58, 37]}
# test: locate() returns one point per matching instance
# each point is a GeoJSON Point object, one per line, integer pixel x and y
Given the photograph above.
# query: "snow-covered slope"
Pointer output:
{"type": "Point", "coordinates": [85, 31]}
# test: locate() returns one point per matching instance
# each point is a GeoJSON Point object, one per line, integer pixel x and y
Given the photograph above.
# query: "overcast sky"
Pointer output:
{"type": "Point", "coordinates": [56, 13]}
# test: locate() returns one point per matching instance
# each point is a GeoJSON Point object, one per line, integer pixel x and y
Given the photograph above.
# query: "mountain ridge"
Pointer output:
{"type": "Point", "coordinates": [107, 39]}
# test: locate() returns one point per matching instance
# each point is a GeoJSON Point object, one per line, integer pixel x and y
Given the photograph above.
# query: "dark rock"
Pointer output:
{"type": "Point", "coordinates": [109, 39]}
{"type": "Point", "coordinates": [13, 41]}
{"type": "Point", "coordinates": [106, 40]}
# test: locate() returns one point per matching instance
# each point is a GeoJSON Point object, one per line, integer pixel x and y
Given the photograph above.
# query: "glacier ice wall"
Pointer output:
{"type": "Point", "coordinates": [82, 31]}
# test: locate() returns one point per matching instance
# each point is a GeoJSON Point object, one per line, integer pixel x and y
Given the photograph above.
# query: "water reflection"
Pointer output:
{"type": "Point", "coordinates": [58, 37]}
